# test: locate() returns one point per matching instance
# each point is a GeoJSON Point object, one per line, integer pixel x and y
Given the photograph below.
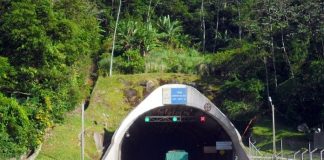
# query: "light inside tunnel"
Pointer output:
{"type": "Point", "coordinates": [174, 119]}
{"type": "Point", "coordinates": [154, 134]}
{"type": "Point", "coordinates": [202, 119]}
{"type": "Point", "coordinates": [147, 119]}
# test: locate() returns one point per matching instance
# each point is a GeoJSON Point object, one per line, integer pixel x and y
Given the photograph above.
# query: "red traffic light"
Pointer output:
{"type": "Point", "coordinates": [202, 119]}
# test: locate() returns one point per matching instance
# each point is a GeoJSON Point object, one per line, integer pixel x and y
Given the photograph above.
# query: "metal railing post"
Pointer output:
{"type": "Point", "coordinates": [311, 154]}
{"type": "Point", "coordinates": [309, 149]}
{"type": "Point", "coordinates": [303, 154]}
{"type": "Point", "coordinates": [321, 154]}
{"type": "Point", "coordinates": [281, 154]}
{"type": "Point", "coordinates": [250, 146]}
{"type": "Point", "coordinates": [296, 154]}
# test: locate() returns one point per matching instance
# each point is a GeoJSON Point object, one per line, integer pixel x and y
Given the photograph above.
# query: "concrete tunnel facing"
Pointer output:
{"type": "Point", "coordinates": [176, 117]}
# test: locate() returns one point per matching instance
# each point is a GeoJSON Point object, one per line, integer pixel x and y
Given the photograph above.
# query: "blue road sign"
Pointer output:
{"type": "Point", "coordinates": [178, 95]}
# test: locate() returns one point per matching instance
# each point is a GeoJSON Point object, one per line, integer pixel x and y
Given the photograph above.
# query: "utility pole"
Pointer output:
{"type": "Point", "coordinates": [273, 129]}
{"type": "Point", "coordinates": [203, 25]}
{"type": "Point", "coordinates": [82, 131]}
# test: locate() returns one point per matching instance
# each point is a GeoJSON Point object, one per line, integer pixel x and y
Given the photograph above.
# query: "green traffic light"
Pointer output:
{"type": "Point", "coordinates": [174, 119]}
{"type": "Point", "coordinates": [147, 119]}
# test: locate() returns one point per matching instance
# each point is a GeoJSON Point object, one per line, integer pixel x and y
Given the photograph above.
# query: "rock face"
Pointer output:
{"type": "Point", "coordinates": [168, 81]}
{"type": "Point", "coordinates": [132, 96]}
{"type": "Point", "coordinates": [99, 139]}
{"type": "Point", "coordinates": [149, 87]}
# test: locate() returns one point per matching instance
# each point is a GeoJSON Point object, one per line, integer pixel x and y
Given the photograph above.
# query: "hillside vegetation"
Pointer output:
{"type": "Point", "coordinates": [111, 100]}
{"type": "Point", "coordinates": [51, 52]}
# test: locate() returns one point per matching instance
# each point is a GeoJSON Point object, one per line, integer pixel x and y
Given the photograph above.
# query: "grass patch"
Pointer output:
{"type": "Point", "coordinates": [63, 141]}
{"type": "Point", "coordinates": [292, 139]}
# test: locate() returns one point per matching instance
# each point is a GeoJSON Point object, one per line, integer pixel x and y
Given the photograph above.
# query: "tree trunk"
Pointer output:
{"type": "Point", "coordinates": [216, 30]}
{"type": "Point", "coordinates": [148, 12]}
{"type": "Point", "coordinates": [267, 76]}
{"type": "Point", "coordinates": [322, 46]}
{"type": "Point", "coordinates": [239, 16]}
{"type": "Point", "coordinates": [157, 3]}
{"type": "Point", "coordinates": [272, 50]}
{"type": "Point", "coordinates": [114, 39]}
{"type": "Point", "coordinates": [112, 7]}
{"type": "Point", "coordinates": [225, 33]}
{"type": "Point", "coordinates": [203, 25]}
{"type": "Point", "coordinates": [286, 55]}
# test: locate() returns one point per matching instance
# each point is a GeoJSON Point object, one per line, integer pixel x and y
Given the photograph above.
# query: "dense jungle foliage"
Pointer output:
{"type": "Point", "coordinates": [254, 48]}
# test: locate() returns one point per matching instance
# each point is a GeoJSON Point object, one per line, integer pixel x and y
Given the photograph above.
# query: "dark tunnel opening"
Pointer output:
{"type": "Point", "coordinates": [171, 128]}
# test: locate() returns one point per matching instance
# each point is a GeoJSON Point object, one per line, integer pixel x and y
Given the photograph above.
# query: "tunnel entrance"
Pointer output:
{"type": "Point", "coordinates": [174, 127]}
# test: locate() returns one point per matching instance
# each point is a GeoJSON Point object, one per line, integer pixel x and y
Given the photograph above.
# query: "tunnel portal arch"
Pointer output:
{"type": "Point", "coordinates": [174, 95]}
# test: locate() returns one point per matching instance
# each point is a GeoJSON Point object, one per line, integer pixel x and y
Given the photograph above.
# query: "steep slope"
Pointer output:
{"type": "Point", "coordinates": [111, 100]}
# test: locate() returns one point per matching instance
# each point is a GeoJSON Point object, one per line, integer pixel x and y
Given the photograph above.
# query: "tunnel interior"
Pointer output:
{"type": "Point", "coordinates": [170, 128]}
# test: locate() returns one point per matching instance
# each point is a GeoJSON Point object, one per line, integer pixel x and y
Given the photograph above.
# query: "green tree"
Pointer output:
{"type": "Point", "coordinates": [7, 72]}
{"type": "Point", "coordinates": [170, 30]}
{"type": "Point", "coordinates": [44, 45]}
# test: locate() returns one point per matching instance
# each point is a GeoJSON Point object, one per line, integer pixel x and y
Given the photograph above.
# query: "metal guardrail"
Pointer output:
{"type": "Point", "coordinates": [265, 157]}
{"type": "Point", "coordinates": [295, 154]}
{"type": "Point", "coordinates": [254, 151]}
{"type": "Point", "coordinates": [256, 154]}
{"type": "Point", "coordinates": [311, 153]}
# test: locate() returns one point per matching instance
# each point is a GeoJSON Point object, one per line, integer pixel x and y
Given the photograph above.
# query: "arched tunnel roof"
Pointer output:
{"type": "Point", "coordinates": [165, 96]}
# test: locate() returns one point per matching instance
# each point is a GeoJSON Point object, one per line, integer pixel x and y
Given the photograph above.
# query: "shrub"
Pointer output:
{"type": "Point", "coordinates": [130, 62]}
{"type": "Point", "coordinates": [104, 64]}
{"type": "Point", "coordinates": [171, 60]}
{"type": "Point", "coordinates": [15, 127]}
{"type": "Point", "coordinates": [242, 98]}
{"type": "Point", "coordinates": [236, 109]}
